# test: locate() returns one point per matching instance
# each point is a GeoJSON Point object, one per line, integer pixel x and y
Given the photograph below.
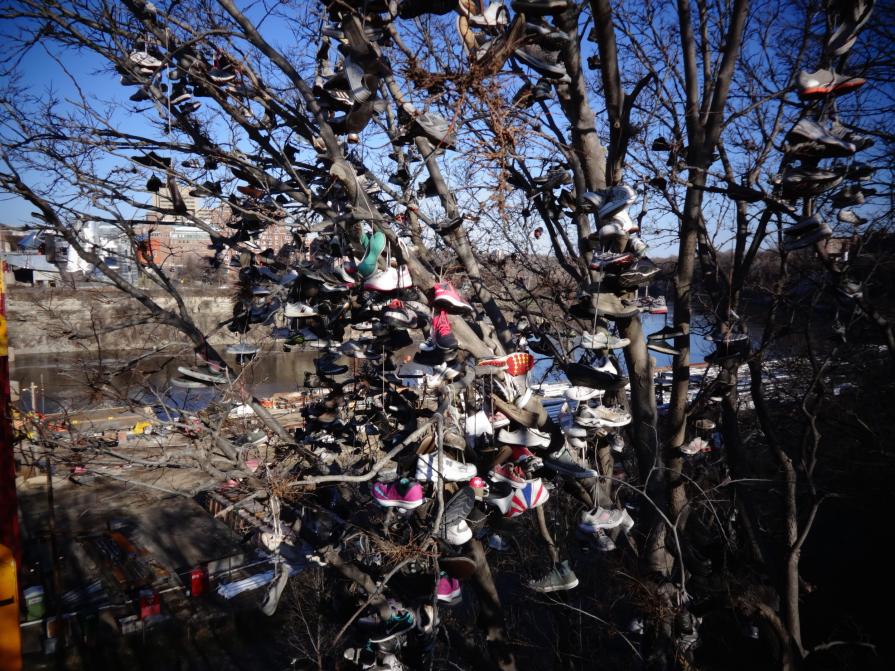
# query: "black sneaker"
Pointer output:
{"type": "Point", "coordinates": [153, 184]}
{"type": "Point", "coordinates": [442, 333]}
{"type": "Point", "coordinates": [662, 347]}
{"type": "Point", "coordinates": [665, 333]}
{"type": "Point", "coordinates": [328, 367]}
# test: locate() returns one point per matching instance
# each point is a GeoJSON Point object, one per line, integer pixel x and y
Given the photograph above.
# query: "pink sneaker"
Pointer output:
{"type": "Point", "coordinates": [442, 333]}
{"type": "Point", "coordinates": [449, 590]}
{"type": "Point", "coordinates": [403, 494]}
{"type": "Point", "coordinates": [446, 296]}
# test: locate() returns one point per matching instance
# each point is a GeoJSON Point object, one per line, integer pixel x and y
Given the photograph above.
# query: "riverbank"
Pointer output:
{"type": "Point", "coordinates": [51, 321]}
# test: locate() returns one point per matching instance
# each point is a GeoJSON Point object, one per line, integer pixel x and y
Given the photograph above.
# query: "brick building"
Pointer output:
{"type": "Point", "coordinates": [180, 244]}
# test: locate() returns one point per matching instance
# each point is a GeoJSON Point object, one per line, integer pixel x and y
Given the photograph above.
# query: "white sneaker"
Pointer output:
{"type": "Point", "coordinates": [582, 393]}
{"type": "Point", "coordinates": [298, 310]}
{"type": "Point", "coordinates": [478, 425]}
{"type": "Point", "coordinates": [382, 280]}
{"type": "Point", "coordinates": [405, 281]}
{"type": "Point", "coordinates": [696, 446]}
{"type": "Point", "coordinates": [526, 437]}
{"type": "Point", "coordinates": [454, 471]}
{"type": "Point", "coordinates": [612, 416]}
{"type": "Point", "coordinates": [457, 534]}
{"type": "Point", "coordinates": [601, 518]}
{"type": "Point", "coordinates": [604, 365]}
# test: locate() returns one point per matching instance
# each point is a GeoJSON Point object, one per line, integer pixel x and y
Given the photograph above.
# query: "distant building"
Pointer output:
{"type": "Point", "coordinates": [180, 243]}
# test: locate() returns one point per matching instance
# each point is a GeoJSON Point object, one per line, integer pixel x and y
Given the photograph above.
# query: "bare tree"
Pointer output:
{"type": "Point", "coordinates": [470, 200]}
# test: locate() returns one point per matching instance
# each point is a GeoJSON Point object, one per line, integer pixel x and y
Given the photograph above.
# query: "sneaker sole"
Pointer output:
{"type": "Point", "coordinates": [389, 637]}
{"type": "Point", "coordinates": [451, 600]}
{"type": "Point", "coordinates": [426, 476]}
{"type": "Point", "coordinates": [592, 528]}
{"type": "Point", "coordinates": [385, 503]}
{"type": "Point", "coordinates": [610, 424]}
{"type": "Point", "coordinates": [452, 302]}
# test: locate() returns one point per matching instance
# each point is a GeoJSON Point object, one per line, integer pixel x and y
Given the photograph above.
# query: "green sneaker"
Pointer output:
{"type": "Point", "coordinates": [374, 249]}
{"type": "Point", "coordinates": [561, 577]}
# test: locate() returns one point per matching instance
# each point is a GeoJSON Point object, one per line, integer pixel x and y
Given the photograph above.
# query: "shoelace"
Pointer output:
{"type": "Point", "coordinates": [441, 324]}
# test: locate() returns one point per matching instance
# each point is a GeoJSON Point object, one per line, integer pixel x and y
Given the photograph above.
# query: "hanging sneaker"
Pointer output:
{"type": "Point", "coordinates": [525, 458]}
{"type": "Point", "coordinates": [375, 244]}
{"type": "Point", "coordinates": [382, 280]}
{"type": "Point", "coordinates": [666, 332]}
{"type": "Point", "coordinates": [658, 306]}
{"type": "Point", "coordinates": [824, 82]}
{"type": "Point", "coordinates": [696, 446]}
{"type": "Point", "coordinates": [850, 217]}
{"type": "Point", "coordinates": [662, 347]}
{"type": "Point", "coordinates": [144, 59]}
{"type": "Point", "coordinates": [405, 281]}
{"type": "Point", "coordinates": [404, 494]}
{"type": "Point", "coordinates": [398, 315]}
{"type": "Point", "coordinates": [442, 334]}
{"type": "Point", "coordinates": [447, 297]}
{"type": "Point", "coordinates": [532, 495]}
{"type": "Point", "coordinates": [611, 417]}
{"type": "Point", "coordinates": [617, 199]}
{"type": "Point", "coordinates": [400, 622]}
{"type": "Point", "coordinates": [453, 471]}
{"type": "Point", "coordinates": [601, 518]}
{"type": "Point", "coordinates": [428, 345]}
{"type": "Point", "coordinates": [509, 473]}
{"type": "Point", "coordinates": [611, 260]}
{"type": "Point", "coordinates": [449, 590]}
{"type": "Point", "coordinates": [563, 462]}
{"type": "Point", "coordinates": [559, 578]}
{"type": "Point", "coordinates": [603, 375]}
{"type": "Point", "coordinates": [478, 425]}
{"type": "Point", "coordinates": [602, 339]}
{"type": "Point", "coordinates": [500, 495]}
{"type": "Point", "coordinates": [457, 533]}
{"type": "Point", "coordinates": [527, 437]}
{"type": "Point", "coordinates": [299, 310]}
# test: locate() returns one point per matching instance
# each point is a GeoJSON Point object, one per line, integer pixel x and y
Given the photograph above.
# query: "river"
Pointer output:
{"type": "Point", "coordinates": [62, 381]}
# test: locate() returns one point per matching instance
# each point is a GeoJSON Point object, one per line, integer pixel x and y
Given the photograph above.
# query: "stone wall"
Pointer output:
{"type": "Point", "coordinates": [42, 320]}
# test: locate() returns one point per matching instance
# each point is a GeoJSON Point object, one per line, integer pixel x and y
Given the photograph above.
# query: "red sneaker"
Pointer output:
{"type": "Point", "coordinates": [447, 297]}
{"type": "Point", "coordinates": [510, 473]}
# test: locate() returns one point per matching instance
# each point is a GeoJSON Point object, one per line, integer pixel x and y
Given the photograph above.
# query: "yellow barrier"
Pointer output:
{"type": "Point", "coordinates": [10, 635]}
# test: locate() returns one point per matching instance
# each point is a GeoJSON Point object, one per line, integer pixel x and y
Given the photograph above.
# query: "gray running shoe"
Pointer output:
{"type": "Point", "coordinates": [565, 463]}
{"type": "Point", "coordinates": [544, 62]}
{"type": "Point", "coordinates": [561, 577]}
{"type": "Point", "coordinates": [436, 128]}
